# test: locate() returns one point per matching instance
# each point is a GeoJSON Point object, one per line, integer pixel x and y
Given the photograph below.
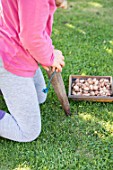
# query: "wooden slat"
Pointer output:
{"type": "Point", "coordinates": [89, 98]}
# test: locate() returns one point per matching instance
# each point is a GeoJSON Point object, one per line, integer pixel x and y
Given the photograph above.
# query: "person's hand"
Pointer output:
{"type": "Point", "coordinates": [58, 62]}
{"type": "Point", "coordinates": [64, 5]}
{"type": "Point", "coordinates": [46, 68]}
{"type": "Point", "coordinates": [61, 4]}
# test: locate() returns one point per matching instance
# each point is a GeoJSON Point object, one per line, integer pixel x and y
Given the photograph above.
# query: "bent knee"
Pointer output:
{"type": "Point", "coordinates": [32, 134]}
{"type": "Point", "coordinates": [31, 137]}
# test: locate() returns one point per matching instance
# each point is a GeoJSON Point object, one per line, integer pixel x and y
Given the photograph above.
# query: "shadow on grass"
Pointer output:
{"type": "Point", "coordinates": [65, 142]}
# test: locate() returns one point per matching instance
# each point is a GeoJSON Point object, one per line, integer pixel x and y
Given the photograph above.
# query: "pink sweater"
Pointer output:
{"type": "Point", "coordinates": [25, 29]}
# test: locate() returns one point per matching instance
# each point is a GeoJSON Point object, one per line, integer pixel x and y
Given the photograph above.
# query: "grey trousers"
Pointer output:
{"type": "Point", "coordinates": [22, 96]}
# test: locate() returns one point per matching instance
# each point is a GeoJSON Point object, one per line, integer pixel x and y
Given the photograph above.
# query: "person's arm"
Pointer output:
{"type": "Point", "coordinates": [33, 17]}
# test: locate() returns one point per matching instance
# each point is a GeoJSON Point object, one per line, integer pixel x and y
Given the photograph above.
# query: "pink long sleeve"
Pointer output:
{"type": "Point", "coordinates": [25, 29]}
{"type": "Point", "coordinates": [33, 18]}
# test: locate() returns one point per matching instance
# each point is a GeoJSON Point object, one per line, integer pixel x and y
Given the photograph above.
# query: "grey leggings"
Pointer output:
{"type": "Point", "coordinates": [22, 96]}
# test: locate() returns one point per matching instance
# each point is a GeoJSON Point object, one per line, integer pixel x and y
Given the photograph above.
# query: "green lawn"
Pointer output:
{"type": "Point", "coordinates": [83, 141]}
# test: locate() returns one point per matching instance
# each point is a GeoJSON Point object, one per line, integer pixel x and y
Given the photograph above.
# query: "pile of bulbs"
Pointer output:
{"type": "Point", "coordinates": [91, 87]}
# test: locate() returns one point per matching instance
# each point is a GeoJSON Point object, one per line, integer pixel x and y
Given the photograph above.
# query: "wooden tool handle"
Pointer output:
{"type": "Point", "coordinates": [59, 88]}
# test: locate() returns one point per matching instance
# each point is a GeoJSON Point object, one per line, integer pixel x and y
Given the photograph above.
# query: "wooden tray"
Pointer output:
{"type": "Point", "coordinates": [72, 78]}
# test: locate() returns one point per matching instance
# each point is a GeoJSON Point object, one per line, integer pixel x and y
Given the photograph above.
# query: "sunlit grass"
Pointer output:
{"type": "Point", "coordinates": [95, 4]}
{"type": "Point", "coordinates": [109, 50]}
{"type": "Point", "coordinates": [19, 168]}
{"type": "Point", "coordinates": [105, 124]}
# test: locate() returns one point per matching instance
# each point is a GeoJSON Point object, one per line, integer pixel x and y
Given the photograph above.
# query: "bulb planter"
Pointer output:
{"type": "Point", "coordinates": [59, 88]}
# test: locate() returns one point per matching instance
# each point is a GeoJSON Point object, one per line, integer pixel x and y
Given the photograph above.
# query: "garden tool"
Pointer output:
{"type": "Point", "coordinates": [59, 88]}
